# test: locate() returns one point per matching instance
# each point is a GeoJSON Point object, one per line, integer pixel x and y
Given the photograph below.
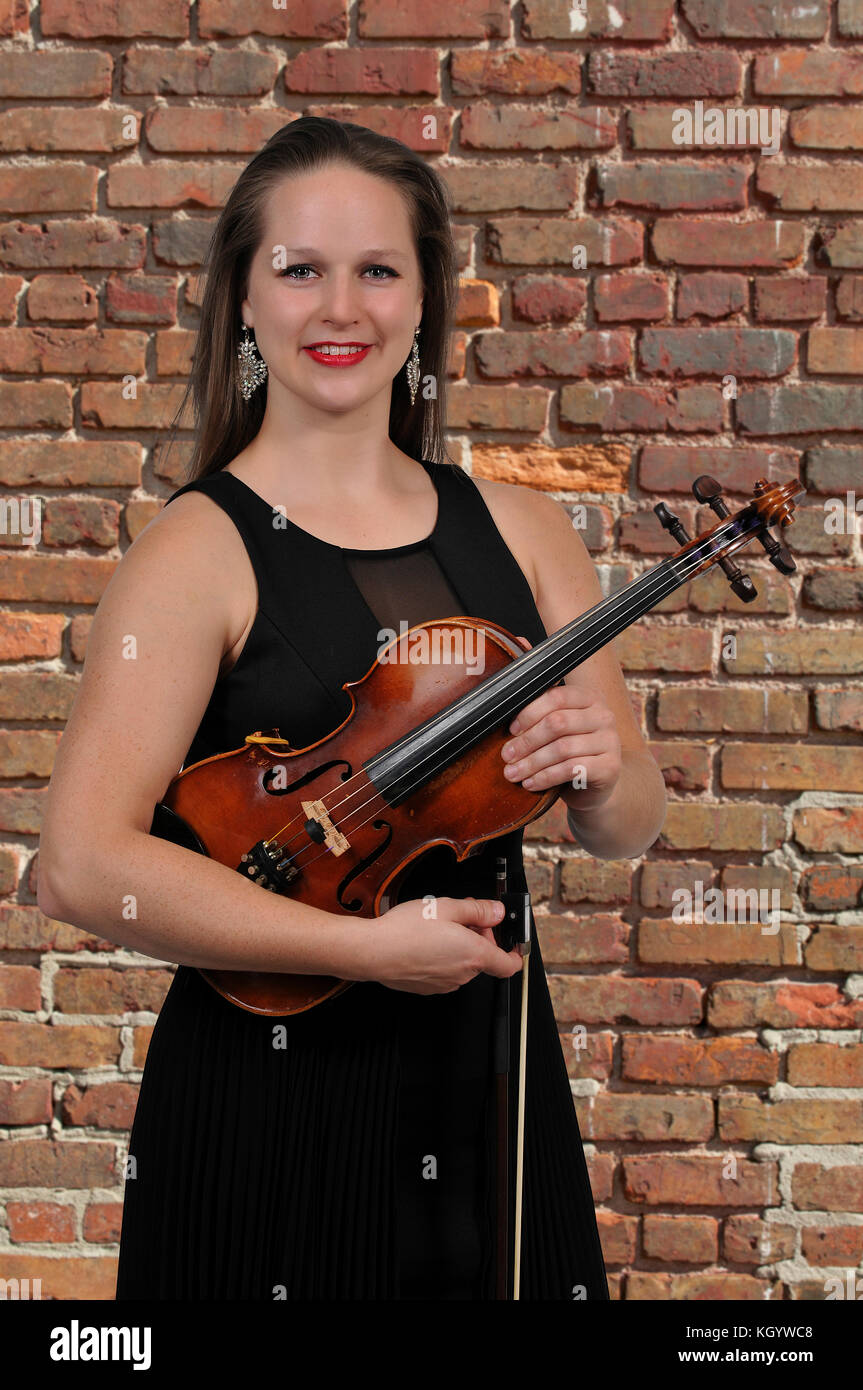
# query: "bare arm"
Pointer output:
{"type": "Point", "coordinates": [620, 822]}
{"type": "Point", "coordinates": [172, 610]}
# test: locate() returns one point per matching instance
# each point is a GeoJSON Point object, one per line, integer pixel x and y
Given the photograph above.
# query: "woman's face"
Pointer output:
{"type": "Point", "coordinates": [336, 264]}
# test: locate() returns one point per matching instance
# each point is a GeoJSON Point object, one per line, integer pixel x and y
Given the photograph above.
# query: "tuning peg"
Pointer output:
{"type": "Point", "coordinates": [669, 522]}
{"type": "Point", "coordinates": [778, 554]}
{"type": "Point", "coordinates": [708, 491]}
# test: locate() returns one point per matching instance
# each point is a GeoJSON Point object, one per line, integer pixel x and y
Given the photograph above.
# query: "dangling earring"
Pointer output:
{"type": "Point", "coordinates": [253, 368]}
{"type": "Point", "coordinates": [413, 367]}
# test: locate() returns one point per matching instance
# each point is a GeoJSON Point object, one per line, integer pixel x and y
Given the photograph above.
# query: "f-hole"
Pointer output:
{"type": "Point", "coordinates": [271, 773]}
{"type": "Point", "coordinates": [356, 903]}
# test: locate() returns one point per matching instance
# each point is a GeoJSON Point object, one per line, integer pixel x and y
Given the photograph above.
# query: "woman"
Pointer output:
{"type": "Point", "coordinates": [357, 1160]}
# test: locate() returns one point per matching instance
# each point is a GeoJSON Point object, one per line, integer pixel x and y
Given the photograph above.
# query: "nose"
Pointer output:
{"type": "Point", "coordinates": [339, 299]}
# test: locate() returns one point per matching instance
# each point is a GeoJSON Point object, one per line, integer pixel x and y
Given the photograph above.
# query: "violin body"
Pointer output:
{"type": "Point", "coordinates": [224, 804]}
{"type": "Point", "coordinates": [417, 761]}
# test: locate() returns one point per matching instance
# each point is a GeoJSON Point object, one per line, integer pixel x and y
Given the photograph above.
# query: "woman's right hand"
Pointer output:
{"type": "Point", "coordinates": [436, 945]}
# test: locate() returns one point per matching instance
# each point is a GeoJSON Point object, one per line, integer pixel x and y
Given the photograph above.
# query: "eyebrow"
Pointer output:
{"type": "Point", "coordinates": [375, 251]}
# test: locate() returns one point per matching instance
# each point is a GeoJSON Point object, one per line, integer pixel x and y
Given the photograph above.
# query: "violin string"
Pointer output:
{"type": "Point", "coordinates": [667, 580]}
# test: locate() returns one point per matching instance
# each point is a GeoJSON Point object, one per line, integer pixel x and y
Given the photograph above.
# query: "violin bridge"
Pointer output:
{"type": "Point", "coordinates": [324, 831]}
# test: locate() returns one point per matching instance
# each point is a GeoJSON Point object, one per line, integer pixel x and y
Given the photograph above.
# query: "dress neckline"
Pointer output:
{"type": "Point", "coordinates": [345, 550]}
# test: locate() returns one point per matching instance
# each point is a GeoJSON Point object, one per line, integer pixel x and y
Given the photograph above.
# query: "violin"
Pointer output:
{"type": "Point", "coordinates": [417, 761]}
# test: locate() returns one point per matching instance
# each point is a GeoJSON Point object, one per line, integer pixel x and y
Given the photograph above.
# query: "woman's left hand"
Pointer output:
{"type": "Point", "coordinates": [566, 738]}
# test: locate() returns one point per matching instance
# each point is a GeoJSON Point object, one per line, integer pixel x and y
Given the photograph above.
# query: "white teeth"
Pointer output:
{"type": "Point", "coordinates": [339, 351]}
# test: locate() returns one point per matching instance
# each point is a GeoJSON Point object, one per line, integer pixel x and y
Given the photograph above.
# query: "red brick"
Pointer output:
{"type": "Point", "coordinates": [97, 242]}
{"type": "Point", "coordinates": [60, 297]}
{"type": "Point", "coordinates": [40, 1222]}
{"type": "Point", "coordinates": [628, 295]}
{"type": "Point", "coordinates": [749, 1240]}
{"type": "Point", "coordinates": [629, 1116]}
{"type": "Point", "coordinates": [751, 352]}
{"type": "Point", "coordinates": [379, 72]}
{"type": "Point", "coordinates": [550, 241]}
{"type": "Point", "coordinates": [721, 943]}
{"type": "Point", "coordinates": [792, 767]}
{"type": "Point", "coordinates": [678, 1061]}
{"type": "Point", "coordinates": [20, 988]}
{"type": "Point", "coordinates": [837, 589]}
{"type": "Point", "coordinates": [688, 73]}
{"type": "Point", "coordinates": [810, 652]}
{"type": "Point", "coordinates": [315, 19]}
{"type": "Point", "coordinates": [25, 1102]}
{"type": "Point", "coordinates": [839, 709]}
{"type": "Point", "coordinates": [490, 127]}
{"type": "Point", "coordinates": [801, 409]}
{"type": "Point", "coordinates": [681, 1239]}
{"type": "Point", "coordinates": [737, 710]}
{"type": "Point", "coordinates": [108, 1105]}
{"type": "Point", "coordinates": [48, 188]}
{"type": "Point", "coordinates": [832, 887]}
{"type": "Point", "coordinates": [796, 187]}
{"type": "Point", "coordinates": [643, 648]}
{"type": "Point", "coordinates": [581, 468]}
{"type": "Point", "coordinates": [826, 128]}
{"type": "Point", "coordinates": [739, 19]}
{"type": "Point", "coordinates": [630, 20]}
{"type": "Point", "coordinates": [830, 830]}
{"type": "Point", "coordinates": [427, 129]}
{"type": "Point", "coordinates": [746, 1004]}
{"type": "Point", "coordinates": [595, 881]}
{"type": "Point", "coordinates": [827, 1186]}
{"type": "Point", "coordinates": [164, 183]}
{"type": "Point", "coordinates": [713, 295]}
{"type": "Point", "coordinates": [42, 129]}
{"type": "Point", "coordinates": [660, 879]}
{"type": "Point", "coordinates": [672, 187]}
{"type": "Point", "coordinates": [808, 72]}
{"type": "Point", "coordinates": [572, 352]}
{"type": "Point", "coordinates": [702, 1180]}
{"type": "Point", "coordinates": [72, 1277]}
{"type": "Point", "coordinates": [493, 187]}
{"type": "Point", "coordinates": [102, 1222]}
{"type": "Point", "coordinates": [747, 1118]}
{"type": "Point", "coordinates": [114, 19]}
{"type": "Point", "coordinates": [198, 71]}
{"type": "Point", "coordinates": [62, 1047]}
{"type": "Point", "coordinates": [789, 297]}
{"type": "Point", "coordinates": [609, 998]}
{"type": "Point", "coordinates": [735, 826]}
{"type": "Point", "coordinates": [674, 467]}
{"type": "Point", "coordinates": [653, 408]}
{"type": "Point", "coordinates": [69, 72]}
{"type": "Point", "coordinates": [849, 297]}
{"type": "Point", "coordinates": [715, 241]}
{"type": "Point", "coordinates": [517, 72]}
{"type": "Point", "coordinates": [837, 351]}
{"type": "Point", "coordinates": [468, 19]}
{"type": "Point", "coordinates": [70, 1163]}
{"type": "Point", "coordinates": [547, 298]}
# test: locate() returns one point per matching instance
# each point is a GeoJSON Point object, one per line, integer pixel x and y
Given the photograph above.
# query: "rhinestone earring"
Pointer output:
{"type": "Point", "coordinates": [253, 368]}
{"type": "Point", "coordinates": [413, 367]}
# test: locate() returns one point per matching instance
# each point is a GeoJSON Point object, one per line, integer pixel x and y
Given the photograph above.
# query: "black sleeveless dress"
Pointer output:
{"type": "Point", "coordinates": [358, 1162]}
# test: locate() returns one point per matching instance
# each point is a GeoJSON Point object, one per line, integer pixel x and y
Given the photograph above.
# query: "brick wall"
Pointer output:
{"type": "Point", "coordinates": [716, 325]}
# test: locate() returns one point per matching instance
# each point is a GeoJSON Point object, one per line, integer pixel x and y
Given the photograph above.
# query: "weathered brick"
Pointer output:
{"type": "Point", "coordinates": [674, 467]}
{"type": "Point", "coordinates": [497, 186]}
{"type": "Point", "coordinates": [837, 351]}
{"type": "Point", "coordinates": [573, 352]}
{"type": "Point", "coordinates": [717, 351]}
{"type": "Point", "coordinates": [688, 73]}
{"type": "Point", "coordinates": [114, 19]}
{"type": "Point", "coordinates": [64, 72]}
{"type": "Point", "coordinates": [806, 188]}
{"type": "Point", "coordinates": [626, 1117]}
{"type": "Point", "coordinates": [714, 241]}
{"type": "Point", "coordinates": [551, 241]}
{"type": "Point", "coordinates": [787, 297]}
{"type": "Point", "coordinates": [839, 709]}
{"type": "Point", "coordinates": [739, 19]}
{"type": "Point", "coordinates": [734, 710]}
{"type": "Point", "coordinates": [713, 295]}
{"type": "Point", "coordinates": [835, 589]}
{"type": "Point", "coordinates": [25, 1102]}
{"type": "Point", "coordinates": [683, 1239]}
{"type": "Point", "coordinates": [69, 1163]}
{"type": "Point", "coordinates": [841, 245]}
{"type": "Point", "coordinates": [806, 652]}
{"type": "Point", "coordinates": [631, 20]}
{"type": "Point", "coordinates": [827, 127]}
{"type": "Point", "coordinates": [510, 72]}
{"type": "Point", "coordinates": [665, 649]}
{"type": "Point", "coordinates": [701, 1180]}
{"type": "Point", "coordinates": [544, 298]}
{"type": "Point", "coordinates": [738, 826]}
{"type": "Point", "coordinates": [832, 887]}
{"type": "Point", "coordinates": [830, 829]}
{"type": "Point", "coordinates": [827, 1186]}
{"type": "Point", "coordinates": [679, 1061]}
{"type": "Point", "coordinates": [509, 127]}
{"type": "Point", "coordinates": [778, 1004]}
{"type": "Point", "coordinates": [35, 1223]}
{"type": "Point", "coordinates": [607, 998]}
{"type": "Point", "coordinates": [792, 767]}
{"type": "Point", "coordinates": [654, 408]}
{"type": "Point", "coordinates": [823, 1121]}
{"type": "Point", "coordinates": [630, 295]}
{"type": "Point", "coordinates": [849, 297]}
{"type": "Point", "coordinates": [662, 942]}
{"type": "Point", "coordinates": [800, 409]}
{"type": "Point", "coordinates": [97, 242]}
{"type": "Point", "coordinates": [672, 187]}
{"type": "Point", "coordinates": [581, 468]}
{"type": "Point", "coordinates": [197, 71]}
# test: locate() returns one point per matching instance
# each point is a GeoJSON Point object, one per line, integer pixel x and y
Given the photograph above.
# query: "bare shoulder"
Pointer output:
{"type": "Point", "coordinates": [537, 529]}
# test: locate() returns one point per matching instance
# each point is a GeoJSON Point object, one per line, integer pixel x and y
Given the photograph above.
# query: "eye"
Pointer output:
{"type": "Point", "coordinates": [289, 271]}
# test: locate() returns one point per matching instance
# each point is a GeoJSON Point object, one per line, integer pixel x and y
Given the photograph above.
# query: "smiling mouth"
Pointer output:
{"type": "Point", "coordinates": [338, 349]}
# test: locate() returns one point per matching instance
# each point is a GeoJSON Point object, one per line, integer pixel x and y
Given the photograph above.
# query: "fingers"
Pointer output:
{"type": "Point", "coordinates": [473, 912]}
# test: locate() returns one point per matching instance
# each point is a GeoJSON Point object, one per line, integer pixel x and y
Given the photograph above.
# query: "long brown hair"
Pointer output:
{"type": "Point", "coordinates": [224, 422]}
